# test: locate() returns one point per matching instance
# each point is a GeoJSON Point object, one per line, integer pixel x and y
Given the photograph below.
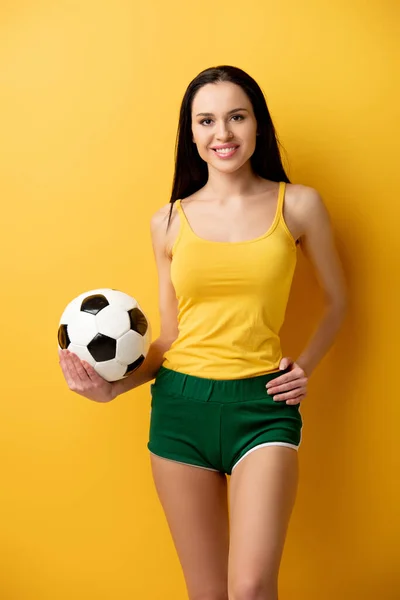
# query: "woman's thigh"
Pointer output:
{"type": "Point", "coordinates": [262, 493]}
{"type": "Point", "coordinates": [195, 504]}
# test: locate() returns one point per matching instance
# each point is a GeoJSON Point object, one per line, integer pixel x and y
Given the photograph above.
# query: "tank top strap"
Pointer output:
{"type": "Point", "coordinates": [184, 227]}
{"type": "Point", "coordinates": [281, 196]}
{"type": "Point", "coordinates": [184, 223]}
{"type": "Point", "coordinates": [179, 208]}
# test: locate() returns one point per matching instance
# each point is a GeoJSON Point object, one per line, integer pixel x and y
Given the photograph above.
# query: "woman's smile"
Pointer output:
{"type": "Point", "coordinates": [227, 152]}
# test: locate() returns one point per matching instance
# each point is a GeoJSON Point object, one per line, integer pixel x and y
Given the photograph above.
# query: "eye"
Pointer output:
{"type": "Point", "coordinates": [241, 118]}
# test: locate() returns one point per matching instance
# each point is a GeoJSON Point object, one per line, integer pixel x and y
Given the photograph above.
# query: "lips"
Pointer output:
{"type": "Point", "coordinates": [225, 151]}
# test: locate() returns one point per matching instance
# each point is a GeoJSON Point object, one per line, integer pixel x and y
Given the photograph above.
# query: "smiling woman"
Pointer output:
{"type": "Point", "coordinates": [225, 402]}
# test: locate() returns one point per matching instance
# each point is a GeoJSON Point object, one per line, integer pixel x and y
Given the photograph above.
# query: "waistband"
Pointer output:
{"type": "Point", "coordinates": [214, 390]}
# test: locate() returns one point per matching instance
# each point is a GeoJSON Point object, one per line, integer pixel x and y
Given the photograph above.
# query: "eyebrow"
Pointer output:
{"type": "Point", "coordinates": [208, 114]}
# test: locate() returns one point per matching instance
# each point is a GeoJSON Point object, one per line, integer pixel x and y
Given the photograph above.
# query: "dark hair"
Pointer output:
{"type": "Point", "coordinates": [191, 172]}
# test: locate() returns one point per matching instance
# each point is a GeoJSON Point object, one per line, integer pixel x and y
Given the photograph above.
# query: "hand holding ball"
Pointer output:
{"type": "Point", "coordinates": [108, 330]}
{"type": "Point", "coordinates": [83, 379]}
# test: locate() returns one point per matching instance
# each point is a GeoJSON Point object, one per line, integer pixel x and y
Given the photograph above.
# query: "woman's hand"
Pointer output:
{"type": "Point", "coordinates": [291, 386]}
{"type": "Point", "coordinates": [83, 379]}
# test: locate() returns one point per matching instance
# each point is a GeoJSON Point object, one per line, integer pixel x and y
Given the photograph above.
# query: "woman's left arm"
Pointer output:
{"type": "Point", "coordinates": [318, 245]}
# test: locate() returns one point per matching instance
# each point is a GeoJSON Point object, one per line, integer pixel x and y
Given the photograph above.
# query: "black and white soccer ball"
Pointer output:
{"type": "Point", "coordinates": [108, 329]}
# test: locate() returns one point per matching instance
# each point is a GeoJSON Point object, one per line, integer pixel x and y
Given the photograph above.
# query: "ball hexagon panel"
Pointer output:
{"type": "Point", "coordinates": [82, 328]}
{"type": "Point", "coordinates": [113, 321]}
{"type": "Point", "coordinates": [129, 347]}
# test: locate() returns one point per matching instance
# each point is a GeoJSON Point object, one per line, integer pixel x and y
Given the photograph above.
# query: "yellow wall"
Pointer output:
{"type": "Point", "coordinates": [90, 93]}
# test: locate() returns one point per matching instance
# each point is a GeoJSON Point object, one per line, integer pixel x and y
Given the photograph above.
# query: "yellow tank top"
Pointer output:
{"type": "Point", "coordinates": [232, 299]}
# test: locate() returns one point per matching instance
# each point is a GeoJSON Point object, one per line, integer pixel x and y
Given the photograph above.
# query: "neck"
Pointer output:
{"type": "Point", "coordinates": [239, 184]}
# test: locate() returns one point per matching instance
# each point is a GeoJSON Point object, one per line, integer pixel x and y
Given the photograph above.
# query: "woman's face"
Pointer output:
{"type": "Point", "coordinates": [222, 115]}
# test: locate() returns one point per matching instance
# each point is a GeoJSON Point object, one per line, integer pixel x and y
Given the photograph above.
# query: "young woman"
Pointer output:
{"type": "Point", "coordinates": [224, 400]}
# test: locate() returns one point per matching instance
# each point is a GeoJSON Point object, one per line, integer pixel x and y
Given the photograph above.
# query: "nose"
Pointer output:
{"type": "Point", "coordinates": [223, 132]}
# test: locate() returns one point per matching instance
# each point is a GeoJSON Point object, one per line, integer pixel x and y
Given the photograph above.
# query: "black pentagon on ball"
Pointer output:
{"type": "Point", "coordinates": [130, 368]}
{"type": "Point", "coordinates": [102, 347]}
{"type": "Point", "coordinates": [138, 321]}
{"type": "Point", "coordinates": [94, 304]}
{"type": "Point", "coordinates": [63, 337]}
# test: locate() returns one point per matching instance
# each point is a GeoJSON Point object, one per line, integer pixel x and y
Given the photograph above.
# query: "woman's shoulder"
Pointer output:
{"type": "Point", "coordinates": [300, 188]}
{"type": "Point", "coordinates": [302, 197]}
{"type": "Point", "coordinates": [161, 215]}
{"type": "Point", "coordinates": [302, 202]}
{"type": "Point", "coordinates": [162, 233]}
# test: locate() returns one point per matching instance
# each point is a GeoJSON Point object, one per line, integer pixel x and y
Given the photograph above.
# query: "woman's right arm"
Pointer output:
{"type": "Point", "coordinates": [168, 307]}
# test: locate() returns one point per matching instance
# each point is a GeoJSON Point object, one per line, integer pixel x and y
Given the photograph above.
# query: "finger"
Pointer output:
{"type": "Point", "coordinates": [61, 354]}
{"type": "Point", "coordinates": [297, 373]}
{"type": "Point", "coordinates": [295, 401]}
{"type": "Point", "coordinates": [92, 373]}
{"type": "Point", "coordinates": [296, 382]}
{"type": "Point", "coordinates": [65, 365]}
{"type": "Point", "coordinates": [289, 395]}
{"type": "Point", "coordinates": [77, 369]}
{"type": "Point", "coordinates": [288, 360]}
{"type": "Point", "coordinates": [284, 377]}
{"type": "Point", "coordinates": [286, 387]}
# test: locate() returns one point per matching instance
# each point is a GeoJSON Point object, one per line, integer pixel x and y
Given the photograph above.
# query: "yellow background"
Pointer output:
{"type": "Point", "coordinates": [90, 93]}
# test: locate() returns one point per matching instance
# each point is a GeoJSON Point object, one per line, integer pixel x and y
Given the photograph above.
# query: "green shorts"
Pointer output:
{"type": "Point", "coordinates": [214, 423]}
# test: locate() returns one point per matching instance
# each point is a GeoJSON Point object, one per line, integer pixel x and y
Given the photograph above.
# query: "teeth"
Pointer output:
{"type": "Point", "coordinates": [225, 150]}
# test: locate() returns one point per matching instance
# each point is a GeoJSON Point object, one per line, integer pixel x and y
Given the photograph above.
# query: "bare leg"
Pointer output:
{"type": "Point", "coordinates": [263, 489]}
{"type": "Point", "coordinates": [194, 501]}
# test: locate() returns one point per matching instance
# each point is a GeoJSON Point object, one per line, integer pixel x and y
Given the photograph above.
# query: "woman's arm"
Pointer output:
{"type": "Point", "coordinates": [318, 245]}
{"type": "Point", "coordinates": [168, 307]}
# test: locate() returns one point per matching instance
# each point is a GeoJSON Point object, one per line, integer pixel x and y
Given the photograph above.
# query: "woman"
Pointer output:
{"type": "Point", "coordinates": [224, 400]}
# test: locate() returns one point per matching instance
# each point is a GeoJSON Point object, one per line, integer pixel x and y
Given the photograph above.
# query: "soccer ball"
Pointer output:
{"type": "Point", "coordinates": [107, 329]}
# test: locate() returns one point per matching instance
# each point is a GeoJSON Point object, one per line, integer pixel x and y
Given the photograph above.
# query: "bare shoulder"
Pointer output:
{"type": "Point", "coordinates": [303, 196]}
{"type": "Point", "coordinates": [306, 206]}
{"type": "Point", "coordinates": [159, 217]}
{"type": "Point", "coordinates": [162, 235]}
